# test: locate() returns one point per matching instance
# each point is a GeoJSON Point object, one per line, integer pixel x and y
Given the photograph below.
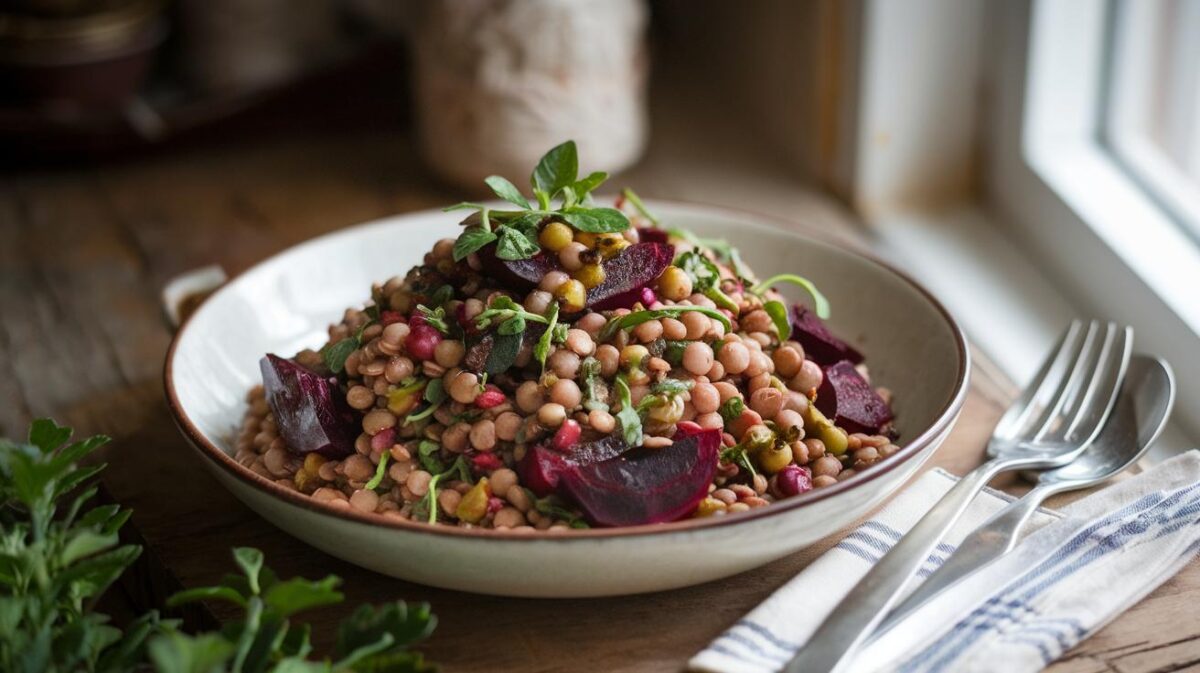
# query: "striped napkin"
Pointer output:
{"type": "Point", "coordinates": [1081, 567]}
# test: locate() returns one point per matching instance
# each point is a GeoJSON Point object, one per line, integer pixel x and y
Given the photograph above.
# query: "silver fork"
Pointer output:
{"type": "Point", "coordinates": [1053, 421]}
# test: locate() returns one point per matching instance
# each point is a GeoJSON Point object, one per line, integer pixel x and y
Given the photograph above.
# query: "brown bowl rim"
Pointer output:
{"type": "Point", "coordinates": [944, 420]}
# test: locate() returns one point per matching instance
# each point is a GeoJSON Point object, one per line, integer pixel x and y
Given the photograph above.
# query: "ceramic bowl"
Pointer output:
{"type": "Point", "coordinates": [285, 303]}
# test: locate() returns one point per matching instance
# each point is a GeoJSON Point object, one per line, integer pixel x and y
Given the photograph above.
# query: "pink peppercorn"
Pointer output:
{"type": "Point", "coordinates": [485, 462]}
{"type": "Point", "coordinates": [490, 397]}
{"type": "Point", "coordinates": [494, 505]}
{"type": "Point", "coordinates": [648, 296]}
{"type": "Point", "coordinates": [567, 434]}
{"type": "Point", "coordinates": [384, 439]}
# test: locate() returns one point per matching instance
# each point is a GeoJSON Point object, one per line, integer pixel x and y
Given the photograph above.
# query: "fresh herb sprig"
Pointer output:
{"type": "Point", "coordinates": [556, 332]}
{"type": "Point", "coordinates": [779, 311]}
{"type": "Point", "coordinates": [636, 318]}
{"type": "Point", "coordinates": [706, 278]}
{"type": "Point", "coordinates": [553, 507]}
{"type": "Point", "coordinates": [632, 197]}
{"type": "Point", "coordinates": [434, 317]}
{"type": "Point", "coordinates": [722, 249]}
{"type": "Point", "coordinates": [510, 318]}
{"type": "Point", "coordinates": [589, 372]}
{"type": "Point", "coordinates": [555, 178]}
{"type": "Point", "coordinates": [435, 395]}
{"type": "Point", "coordinates": [628, 417]}
{"type": "Point", "coordinates": [430, 501]}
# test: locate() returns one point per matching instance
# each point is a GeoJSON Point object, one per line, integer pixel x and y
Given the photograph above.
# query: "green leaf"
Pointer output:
{"type": "Point", "coordinates": [440, 298]}
{"type": "Point", "coordinates": [631, 423]}
{"type": "Point", "coordinates": [556, 169]}
{"type": "Point", "coordinates": [737, 455]}
{"type": "Point", "coordinates": [219, 593]}
{"type": "Point", "coordinates": [779, 316]}
{"type": "Point", "coordinates": [471, 240]}
{"type": "Point", "coordinates": [180, 653]}
{"type": "Point", "coordinates": [380, 470]}
{"type": "Point", "coordinates": [250, 560]}
{"type": "Point", "coordinates": [47, 435]}
{"type": "Point", "coordinates": [588, 184]}
{"type": "Point", "coordinates": [513, 245]}
{"type": "Point", "coordinates": [435, 391]}
{"type": "Point", "coordinates": [731, 409]}
{"type": "Point", "coordinates": [513, 326]}
{"type": "Point", "coordinates": [335, 354]}
{"type": "Point", "coordinates": [407, 625]}
{"type": "Point", "coordinates": [820, 303]}
{"type": "Point", "coordinates": [506, 190]}
{"type": "Point", "coordinates": [706, 278]}
{"type": "Point", "coordinates": [541, 350]}
{"type": "Point", "coordinates": [92, 575]}
{"type": "Point", "coordinates": [288, 597]}
{"type": "Point", "coordinates": [636, 318]}
{"type": "Point", "coordinates": [597, 220]}
{"type": "Point", "coordinates": [395, 661]}
{"type": "Point", "coordinates": [505, 348]}
{"type": "Point", "coordinates": [434, 317]}
{"type": "Point", "coordinates": [426, 451]}
{"type": "Point", "coordinates": [297, 642]}
{"type": "Point", "coordinates": [589, 372]}
{"type": "Point", "coordinates": [465, 205]}
{"type": "Point", "coordinates": [85, 543]}
{"type": "Point", "coordinates": [672, 386]}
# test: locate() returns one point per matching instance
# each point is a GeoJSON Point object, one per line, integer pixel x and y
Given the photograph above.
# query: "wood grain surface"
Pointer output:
{"type": "Point", "coordinates": [84, 252]}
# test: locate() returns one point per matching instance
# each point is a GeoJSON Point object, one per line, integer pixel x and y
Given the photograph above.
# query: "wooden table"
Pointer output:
{"type": "Point", "coordinates": [84, 251]}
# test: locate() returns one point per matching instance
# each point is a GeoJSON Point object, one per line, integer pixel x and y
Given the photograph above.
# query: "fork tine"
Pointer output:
{"type": "Point", "coordinates": [1040, 391]}
{"type": "Point", "coordinates": [1082, 396]}
{"type": "Point", "coordinates": [1094, 411]}
{"type": "Point", "coordinates": [1051, 417]}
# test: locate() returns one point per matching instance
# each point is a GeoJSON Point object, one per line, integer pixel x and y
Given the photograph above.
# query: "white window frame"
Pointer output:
{"type": "Point", "coordinates": [978, 135]}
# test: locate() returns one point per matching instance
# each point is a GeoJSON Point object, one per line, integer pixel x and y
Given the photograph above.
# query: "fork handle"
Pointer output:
{"type": "Point", "coordinates": [834, 644]}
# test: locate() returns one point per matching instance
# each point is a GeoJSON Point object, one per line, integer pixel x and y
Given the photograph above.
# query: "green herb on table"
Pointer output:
{"type": "Point", "coordinates": [636, 318]}
{"type": "Point", "coordinates": [627, 417]}
{"type": "Point", "coordinates": [556, 177]}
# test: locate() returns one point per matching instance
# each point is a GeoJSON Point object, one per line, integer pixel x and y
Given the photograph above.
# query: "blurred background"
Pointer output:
{"type": "Point", "coordinates": [1028, 160]}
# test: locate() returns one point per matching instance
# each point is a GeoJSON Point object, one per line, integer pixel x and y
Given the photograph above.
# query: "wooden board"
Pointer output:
{"type": "Point", "coordinates": [84, 252]}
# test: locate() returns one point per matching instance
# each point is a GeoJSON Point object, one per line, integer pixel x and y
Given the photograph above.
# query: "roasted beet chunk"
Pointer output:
{"type": "Point", "coordinates": [541, 467]}
{"type": "Point", "coordinates": [849, 401]}
{"type": "Point", "coordinates": [310, 412]}
{"type": "Point", "coordinates": [820, 345]}
{"type": "Point", "coordinates": [651, 235]}
{"type": "Point", "coordinates": [654, 486]}
{"type": "Point", "coordinates": [625, 275]}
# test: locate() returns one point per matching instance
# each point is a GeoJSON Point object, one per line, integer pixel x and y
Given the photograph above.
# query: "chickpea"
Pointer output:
{"type": "Point", "coordinates": [601, 421]}
{"type": "Point", "coordinates": [591, 275]}
{"type": "Point", "coordinates": [696, 323]}
{"type": "Point", "coordinates": [816, 448]}
{"type": "Point", "coordinates": [508, 517]}
{"type": "Point", "coordinates": [360, 397]}
{"type": "Point", "coordinates": [787, 361]}
{"type": "Point", "coordinates": [566, 392]}
{"type": "Point", "coordinates": [633, 355]}
{"type": "Point", "coordinates": [591, 323]}
{"type": "Point", "coordinates": [797, 402]}
{"type": "Point", "coordinates": [551, 415]}
{"type": "Point", "coordinates": [710, 421]}
{"type": "Point", "coordinates": [705, 398]}
{"type": "Point", "coordinates": [464, 387]}
{"type": "Point", "coordinates": [364, 500]}
{"type": "Point", "coordinates": [571, 256]}
{"type": "Point", "coordinates": [826, 466]}
{"type": "Point", "coordinates": [674, 283]}
{"type": "Point", "coordinates": [507, 425]}
{"type": "Point", "coordinates": [648, 331]}
{"type": "Point", "coordinates": [538, 301]}
{"type": "Point", "coordinates": [483, 435]}
{"type": "Point", "coordinates": [394, 334]}
{"type": "Point", "coordinates": [564, 363]}
{"type": "Point", "coordinates": [609, 359]}
{"type": "Point", "coordinates": [572, 294]}
{"type": "Point", "coordinates": [529, 396]}
{"type": "Point", "coordinates": [698, 358]}
{"type": "Point", "coordinates": [759, 364]}
{"type": "Point", "coordinates": [787, 418]}
{"type": "Point", "coordinates": [734, 357]}
{"type": "Point", "coordinates": [756, 321]}
{"type": "Point", "coordinates": [456, 436]}
{"type": "Point", "coordinates": [768, 402]}
{"type": "Point", "coordinates": [726, 390]}
{"type": "Point", "coordinates": [552, 280]}
{"type": "Point", "coordinates": [808, 379]}
{"type": "Point", "coordinates": [555, 236]}
{"type": "Point", "coordinates": [444, 249]}
{"type": "Point", "coordinates": [673, 329]}
{"type": "Point", "coordinates": [580, 342]}
{"type": "Point", "coordinates": [717, 372]}
{"type": "Point", "coordinates": [449, 352]}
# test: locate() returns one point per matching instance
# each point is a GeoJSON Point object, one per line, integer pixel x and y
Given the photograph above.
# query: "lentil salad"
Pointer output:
{"type": "Point", "coordinates": [565, 365]}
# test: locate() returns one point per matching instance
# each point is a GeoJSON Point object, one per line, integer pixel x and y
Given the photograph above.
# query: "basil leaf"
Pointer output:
{"type": "Point", "coordinates": [638, 317]}
{"type": "Point", "coordinates": [597, 220]}
{"type": "Point", "coordinates": [514, 245]}
{"type": "Point", "coordinates": [779, 316]}
{"type": "Point", "coordinates": [527, 224]}
{"type": "Point", "coordinates": [506, 190]}
{"type": "Point", "coordinates": [631, 423]}
{"type": "Point", "coordinates": [335, 354]}
{"type": "Point", "coordinates": [541, 349]}
{"type": "Point", "coordinates": [586, 185]}
{"type": "Point", "coordinates": [557, 169]}
{"type": "Point", "coordinates": [471, 241]}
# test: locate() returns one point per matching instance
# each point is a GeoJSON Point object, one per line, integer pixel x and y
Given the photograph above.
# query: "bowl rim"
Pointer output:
{"type": "Point", "coordinates": [943, 422]}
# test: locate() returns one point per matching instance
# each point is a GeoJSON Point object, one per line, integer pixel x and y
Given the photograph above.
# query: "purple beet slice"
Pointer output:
{"type": "Point", "coordinates": [637, 267]}
{"type": "Point", "coordinates": [820, 345]}
{"type": "Point", "coordinates": [850, 402]}
{"type": "Point", "coordinates": [655, 486]}
{"type": "Point", "coordinates": [542, 466]}
{"type": "Point", "coordinates": [651, 235]}
{"type": "Point", "coordinates": [627, 274]}
{"type": "Point", "coordinates": [310, 411]}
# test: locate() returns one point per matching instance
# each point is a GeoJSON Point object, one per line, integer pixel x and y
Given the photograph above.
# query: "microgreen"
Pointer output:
{"type": "Point", "coordinates": [552, 506]}
{"type": "Point", "coordinates": [590, 374]}
{"type": "Point", "coordinates": [430, 502]}
{"type": "Point", "coordinates": [555, 333]}
{"type": "Point", "coordinates": [779, 316]}
{"type": "Point", "coordinates": [731, 409]}
{"type": "Point", "coordinates": [334, 355]}
{"type": "Point", "coordinates": [435, 317]}
{"type": "Point", "coordinates": [515, 233]}
{"type": "Point", "coordinates": [725, 253]}
{"type": "Point", "coordinates": [820, 303]}
{"type": "Point", "coordinates": [738, 455]}
{"type": "Point", "coordinates": [508, 316]}
{"type": "Point", "coordinates": [706, 278]}
{"type": "Point", "coordinates": [632, 197]}
{"type": "Point", "coordinates": [631, 422]}
{"type": "Point", "coordinates": [380, 471]}
{"type": "Point", "coordinates": [636, 318]}
{"type": "Point", "coordinates": [427, 450]}
{"type": "Point", "coordinates": [435, 395]}
{"type": "Point", "coordinates": [672, 386]}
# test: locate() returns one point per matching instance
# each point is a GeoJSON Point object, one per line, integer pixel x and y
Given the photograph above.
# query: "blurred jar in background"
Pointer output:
{"type": "Point", "coordinates": [499, 83]}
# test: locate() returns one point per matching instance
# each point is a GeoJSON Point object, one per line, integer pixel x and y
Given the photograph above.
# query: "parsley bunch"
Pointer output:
{"type": "Point", "coordinates": [555, 178]}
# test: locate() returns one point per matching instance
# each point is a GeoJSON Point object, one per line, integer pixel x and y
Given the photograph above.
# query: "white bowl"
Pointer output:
{"type": "Point", "coordinates": [285, 303]}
